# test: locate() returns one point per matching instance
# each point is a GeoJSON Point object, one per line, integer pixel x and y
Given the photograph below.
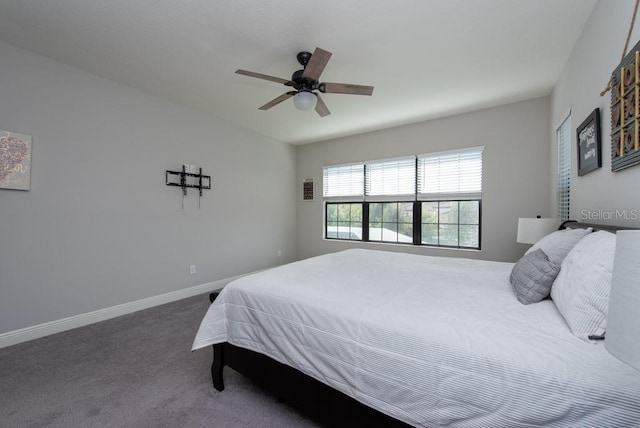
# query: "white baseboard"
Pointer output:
{"type": "Point", "coordinates": [41, 330]}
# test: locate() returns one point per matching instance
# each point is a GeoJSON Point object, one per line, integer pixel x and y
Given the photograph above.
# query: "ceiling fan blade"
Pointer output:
{"type": "Point", "coordinates": [321, 107]}
{"type": "Point", "coordinates": [316, 65]}
{"type": "Point", "coordinates": [277, 100]}
{"type": "Point", "coordinates": [264, 76]}
{"type": "Point", "coordinates": [345, 88]}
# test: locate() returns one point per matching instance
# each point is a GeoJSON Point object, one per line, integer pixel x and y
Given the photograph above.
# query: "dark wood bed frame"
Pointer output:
{"type": "Point", "coordinates": [313, 398]}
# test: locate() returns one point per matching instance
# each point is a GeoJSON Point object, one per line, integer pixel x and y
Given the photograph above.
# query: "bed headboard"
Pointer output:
{"type": "Point", "coordinates": [573, 224]}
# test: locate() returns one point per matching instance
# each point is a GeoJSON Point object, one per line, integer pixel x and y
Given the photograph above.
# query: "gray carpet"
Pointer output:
{"type": "Point", "coordinates": [133, 371]}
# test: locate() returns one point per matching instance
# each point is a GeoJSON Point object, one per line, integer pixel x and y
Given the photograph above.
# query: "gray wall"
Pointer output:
{"type": "Point", "coordinates": [99, 227]}
{"type": "Point", "coordinates": [515, 178]}
{"type": "Point", "coordinates": [601, 196]}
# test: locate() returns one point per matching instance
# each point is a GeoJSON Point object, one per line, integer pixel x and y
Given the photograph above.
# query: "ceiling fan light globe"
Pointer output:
{"type": "Point", "coordinates": [305, 101]}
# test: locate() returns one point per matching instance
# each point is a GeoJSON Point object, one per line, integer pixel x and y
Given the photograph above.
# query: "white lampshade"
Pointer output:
{"type": "Point", "coordinates": [530, 230]}
{"type": "Point", "coordinates": [305, 100]}
{"type": "Point", "coordinates": [623, 320]}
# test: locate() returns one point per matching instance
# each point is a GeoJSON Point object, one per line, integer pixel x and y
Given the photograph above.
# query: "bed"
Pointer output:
{"type": "Point", "coordinates": [375, 338]}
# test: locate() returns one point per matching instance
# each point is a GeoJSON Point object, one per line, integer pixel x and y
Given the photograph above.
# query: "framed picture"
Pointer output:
{"type": "Point", "coordinates": [15, 161]}
{"type": "Point", "coordinates": [307, 189]}
{"type": "Point", "coordinates": [589, 145]}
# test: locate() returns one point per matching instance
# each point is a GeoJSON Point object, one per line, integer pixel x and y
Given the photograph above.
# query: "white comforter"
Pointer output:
{"type": "Point", "coordinates": [431, 341]}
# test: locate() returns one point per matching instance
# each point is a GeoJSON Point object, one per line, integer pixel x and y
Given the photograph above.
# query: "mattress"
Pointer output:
{"type": "Point", "coordinates": [431, 341]}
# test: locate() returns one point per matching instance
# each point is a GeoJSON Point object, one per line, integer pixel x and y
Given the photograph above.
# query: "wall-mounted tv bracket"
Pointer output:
{"type": "Point", "coordinates": [188, 180]}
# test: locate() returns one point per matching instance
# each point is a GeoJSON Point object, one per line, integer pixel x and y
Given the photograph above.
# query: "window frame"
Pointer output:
{"type": "Point", "coordinates": [418, 230]}
{"type": "Point", "coordinates": [397, 223]}
{"type": "Point", "coordinates": [337, 237]}
{"type": "Point", "coordinates": [417, 224]}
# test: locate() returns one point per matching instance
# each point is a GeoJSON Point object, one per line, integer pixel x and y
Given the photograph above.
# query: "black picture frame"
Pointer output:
{"type": "Point", "coordinates": [589, 144]}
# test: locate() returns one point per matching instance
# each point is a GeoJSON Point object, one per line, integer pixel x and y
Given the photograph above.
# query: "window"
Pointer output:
{"type": "Point", "coordinates": [391, 222]}
{"type": "Point", "coordinates": [563, 136]}
{"type": "Point", "coordinates": [451, 223]}
{"type": "Point", "coordinates": [344, 221]}
{"type": "Point", "coordinates": [432, 200]}
{"type": "Point", "coordinates": [344, 181]}
{"type": "Point", "coordinates": [450, 174]}
{"type": "Point", "coordinates": [391, 179]}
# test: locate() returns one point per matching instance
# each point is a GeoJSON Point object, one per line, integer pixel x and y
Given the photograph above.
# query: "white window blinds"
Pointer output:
{"type": "Point", "coordinates": [391, 179]}
{"type": "Point", "coordinates": [563, 135]}
{"type": "Point", "coordinates": [450, 175]}
{"type": "Point", "coordinates": [343, 181]}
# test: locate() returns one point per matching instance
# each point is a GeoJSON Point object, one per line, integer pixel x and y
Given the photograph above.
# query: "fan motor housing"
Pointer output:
{"type": "Point", "coordinates": [303, 84]}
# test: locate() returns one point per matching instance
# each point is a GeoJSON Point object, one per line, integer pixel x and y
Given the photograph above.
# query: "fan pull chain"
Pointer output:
{"type": "Point", "coordinates": [626, 46]}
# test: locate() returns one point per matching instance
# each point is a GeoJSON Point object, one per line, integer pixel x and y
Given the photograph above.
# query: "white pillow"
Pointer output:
{"type": "Point", "coordinates": [581, 290]}
{"type": "Point", "coordinates": [557, 245]}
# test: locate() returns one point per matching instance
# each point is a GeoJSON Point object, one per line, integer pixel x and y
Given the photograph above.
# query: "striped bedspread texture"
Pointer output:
{"type": "Point", "coordinates": [431, 341]}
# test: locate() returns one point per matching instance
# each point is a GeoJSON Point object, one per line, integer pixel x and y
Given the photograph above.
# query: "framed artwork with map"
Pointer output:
{"type": "Point", "coordinates": [15, 161]}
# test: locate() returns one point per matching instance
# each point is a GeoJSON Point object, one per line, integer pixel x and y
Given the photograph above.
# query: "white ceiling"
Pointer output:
{"type": "Point", "coordinates": [426, 58]}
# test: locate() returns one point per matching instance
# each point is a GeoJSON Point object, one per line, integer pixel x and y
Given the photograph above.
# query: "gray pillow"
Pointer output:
{"type": "Point", "coordinates": [533, 276]}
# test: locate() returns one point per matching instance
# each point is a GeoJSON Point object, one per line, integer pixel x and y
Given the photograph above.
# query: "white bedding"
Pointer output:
{"type": "Point", "coordinates": [432, 341]}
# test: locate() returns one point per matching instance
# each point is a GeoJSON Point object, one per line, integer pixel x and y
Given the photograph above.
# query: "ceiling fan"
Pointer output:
{"type": "Point", "coordinates": [305, 82]}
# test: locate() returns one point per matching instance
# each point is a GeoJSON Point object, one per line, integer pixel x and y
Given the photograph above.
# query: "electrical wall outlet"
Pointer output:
{"type": "Point", "coordinates": [279, 253]}
{"type": "Point", "coordinates": [192, 269]}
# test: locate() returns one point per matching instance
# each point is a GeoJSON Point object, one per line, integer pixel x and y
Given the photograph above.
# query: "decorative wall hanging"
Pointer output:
{"type": "Point", "coordinates": [625, 112]}
{"type": "Point", "coordinates": [15, 161]}
{"type": "Point", "coordinates": [307, 189]}
{"type": "Point", "coordinates": [589, 144]}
